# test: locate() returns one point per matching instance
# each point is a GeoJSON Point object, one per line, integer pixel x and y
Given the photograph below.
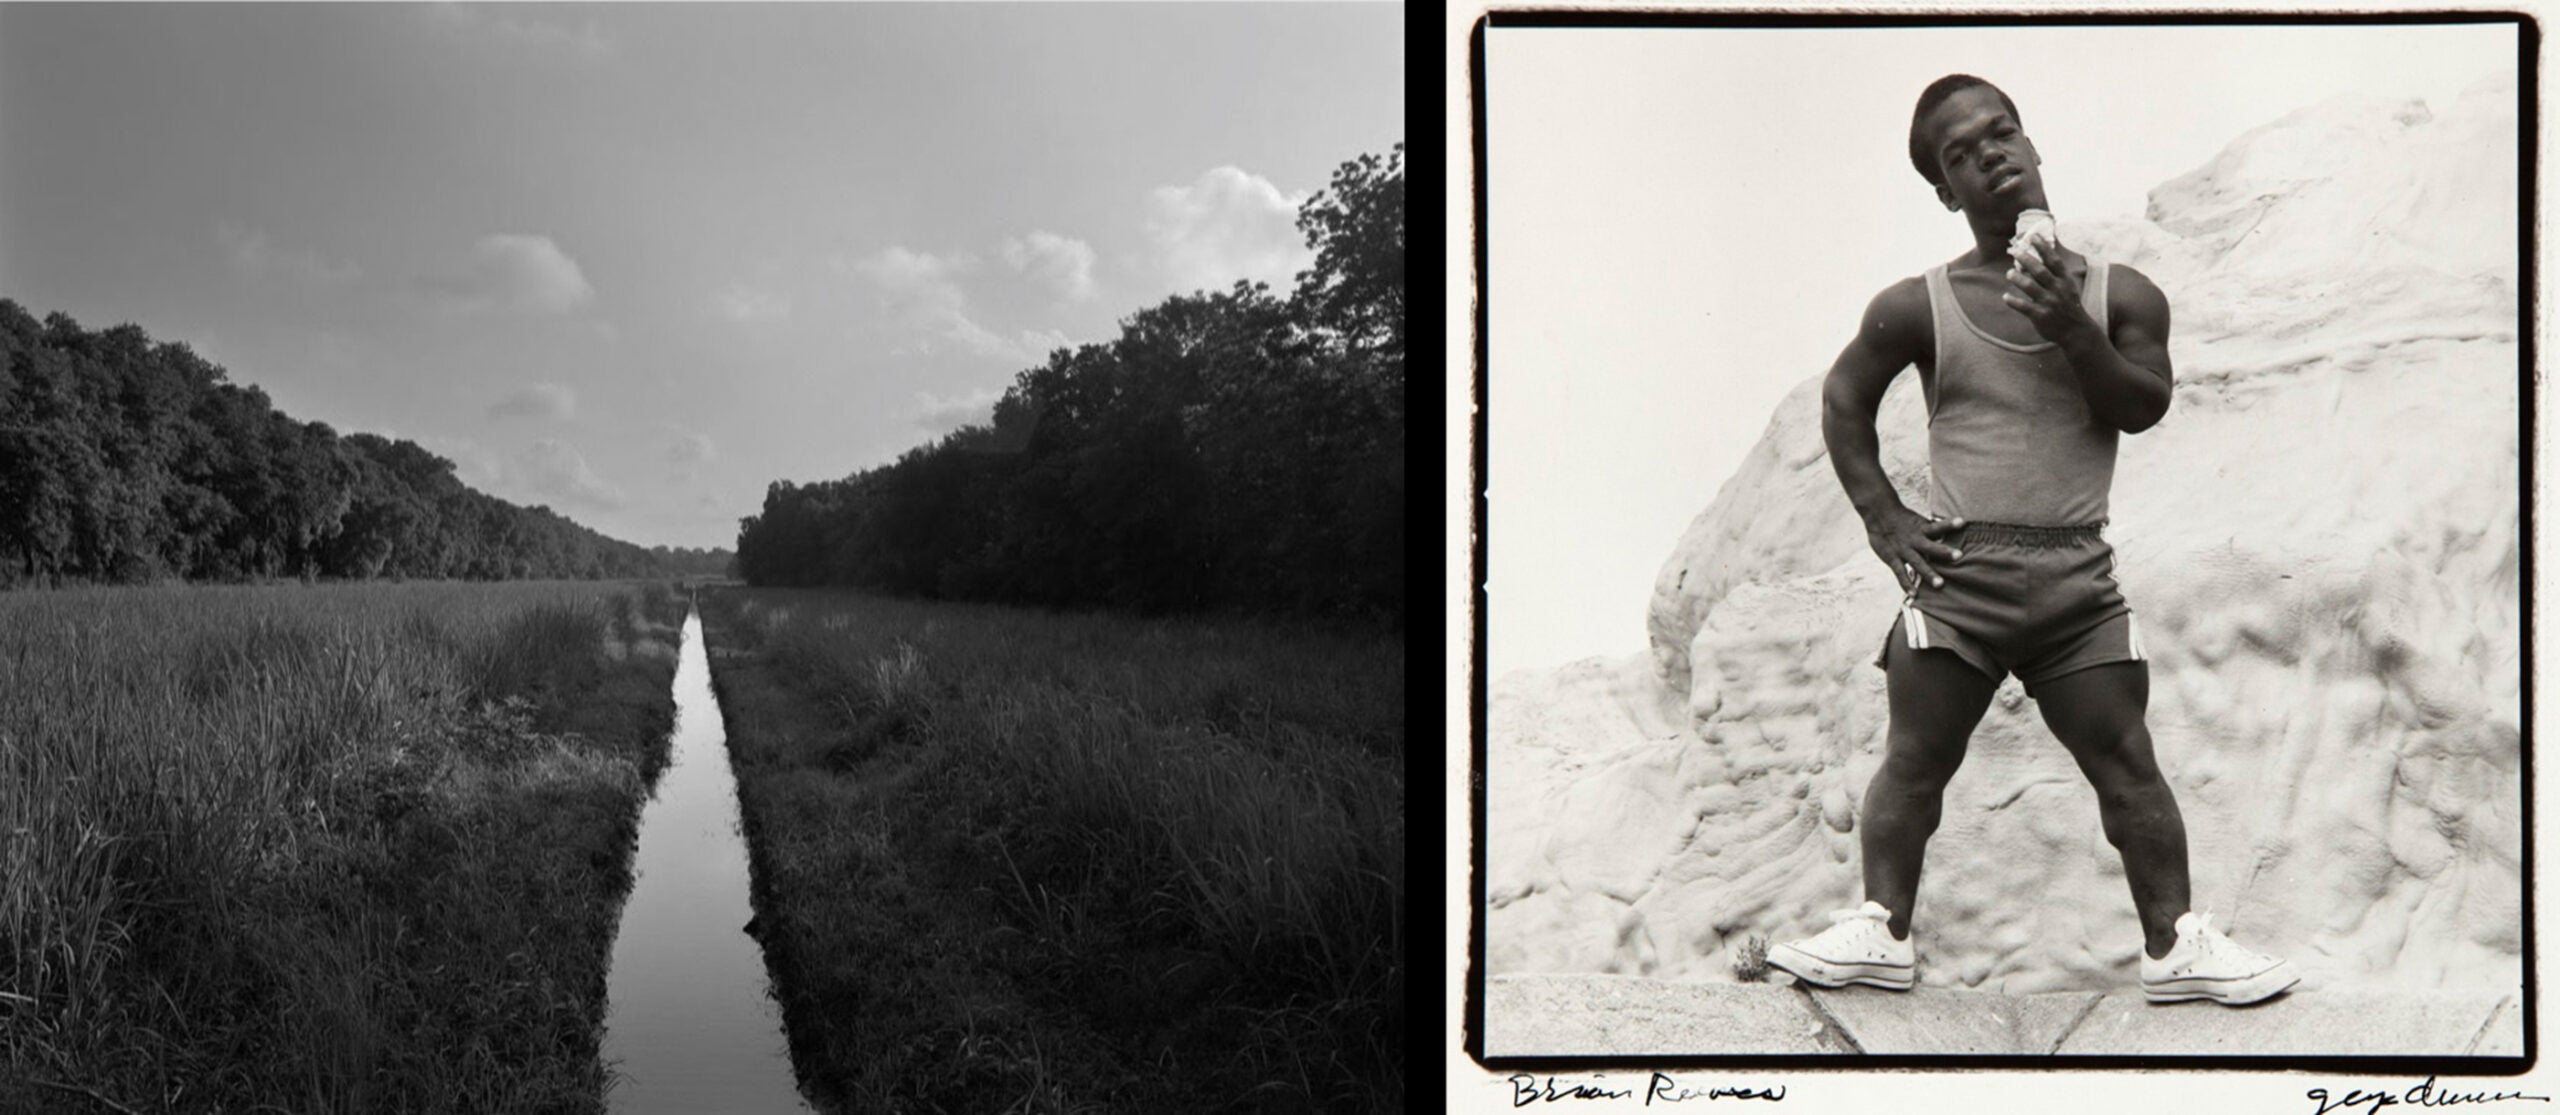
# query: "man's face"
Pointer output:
{"type": "Point", "coordinates": [1989, 165]}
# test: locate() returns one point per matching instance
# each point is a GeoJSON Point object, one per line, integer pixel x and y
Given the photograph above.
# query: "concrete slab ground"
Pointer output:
{"type": "Point", "coordinates": [2331, 1023]}
{"type": "Point", "coordinates": [1569, 1015]}
{"type": "Point", "coordinates": [1564, 1015]}
{"type": "Point", "coordinates": [1928, 1020]}
{"type": "Point", "coordinates": [2504, 1035]}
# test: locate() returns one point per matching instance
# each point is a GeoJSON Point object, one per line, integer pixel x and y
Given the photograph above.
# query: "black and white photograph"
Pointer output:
{"type": "Point", "coordinates": [702, 558]}
{"type": "Point", "coordinates": [2002, 548]}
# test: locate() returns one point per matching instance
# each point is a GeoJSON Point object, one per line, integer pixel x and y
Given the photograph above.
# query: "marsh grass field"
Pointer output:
{"type": "Point", "coordinates": [1008, 860]}
{"type": "Point", "coordinates": [319, 847]}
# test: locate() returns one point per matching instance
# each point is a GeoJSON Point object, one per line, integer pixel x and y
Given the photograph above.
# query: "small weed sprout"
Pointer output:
{"type": "Point", "coordinates": [1751, 961]}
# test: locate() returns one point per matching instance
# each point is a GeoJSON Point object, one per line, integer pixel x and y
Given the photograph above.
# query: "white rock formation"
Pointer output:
{"type": "Point", "coordinates": [2321, 539]}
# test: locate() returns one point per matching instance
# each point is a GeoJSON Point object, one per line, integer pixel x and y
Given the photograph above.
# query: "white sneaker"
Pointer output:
{"type": "Point", "coordinates": [2204, 964]}
{"type": "Point", "coordinates": [1856, 949]}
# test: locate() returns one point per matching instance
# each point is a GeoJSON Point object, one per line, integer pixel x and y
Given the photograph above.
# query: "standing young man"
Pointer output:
{"type": "Point", "coordinates": [2033, 359]}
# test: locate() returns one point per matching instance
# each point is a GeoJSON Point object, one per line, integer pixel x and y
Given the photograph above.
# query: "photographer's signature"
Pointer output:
{"type": "Point", "coordinates": [2427, 1093]}
{"type": "Point", "coordinates": [1527, 1090]}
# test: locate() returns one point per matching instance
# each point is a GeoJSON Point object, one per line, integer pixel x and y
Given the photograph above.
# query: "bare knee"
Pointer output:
{"type": "Point", "coordinates": [1917, 767]}
{"type": "Point", "coordinates": [2120, 765]}
{"type": "Point", "coordinates": [2130, 787]}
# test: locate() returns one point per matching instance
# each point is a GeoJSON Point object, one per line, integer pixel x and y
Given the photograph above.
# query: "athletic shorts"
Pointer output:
{"type": "Point", "coordinates": [2039, 602]}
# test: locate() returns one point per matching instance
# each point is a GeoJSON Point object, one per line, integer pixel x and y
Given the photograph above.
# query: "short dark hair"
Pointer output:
{"type": "Point", "coordinates": [1922, 158]}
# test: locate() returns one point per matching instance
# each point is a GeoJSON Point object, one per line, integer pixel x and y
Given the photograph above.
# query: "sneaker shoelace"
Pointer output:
{"type": "Point", "coordinates": [2213, 944]}
{"type": "Point", "coordinates": [1845, 929]}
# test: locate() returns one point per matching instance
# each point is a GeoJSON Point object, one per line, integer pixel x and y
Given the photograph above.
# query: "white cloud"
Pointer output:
{"type": "Point", "coordinates": [1037, 344]}
{"type": "Point", "coordinates": [1028, 346]}
{"type": "Point", "coordinates": [922, 291]}
{"type": "Point", "coordinates": [548, 471]}
{"type": "Point", "coordinates": [250, 253]}
{"type": "Point", "coordinates": [552, 470]}
{"type": "Point", "coordinates": [1062, 262]}
{"type": "Point", "coordinates": [686, 449]}
{"type": "Point", "coordinates": [1227, 225]}
{"type": "Point", "coordinates": [740, 304]}
{"type": "Point", "coordinates": [537, 400]}
{"type": "Point", "coordinates": [937, 415]}
{"type": "Point", "coordinates": [584, 42]}
{"type": "Point", "coordinates": [906, 272]}
{"type": "Point", "coordinates": [515, 273]}
{"type": "Point", "coordinates": [473, 464]}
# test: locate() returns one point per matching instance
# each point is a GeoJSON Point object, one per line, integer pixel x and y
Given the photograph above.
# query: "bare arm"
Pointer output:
{"type": "Point", "coordinates": [2124, 369]}
{"type": "Point", "coordinates": [1891, 337]}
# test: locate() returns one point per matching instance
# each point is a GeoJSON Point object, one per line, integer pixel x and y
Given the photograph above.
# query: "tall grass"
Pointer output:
{"type": "Point", "coordinates": [1189, 834]}
{"type": "Point", "coordinates": [263, 845]}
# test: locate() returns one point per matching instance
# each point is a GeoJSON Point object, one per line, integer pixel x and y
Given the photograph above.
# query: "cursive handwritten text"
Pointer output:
{"type": "Point", "coordinates": [2426, 1093]}
{"type": "Point", "coordinates": [1526, 1090]}
{"type": "Point", "coordinates": [1660, 1088]}
{"type": "Point", "coordinates": [1671, 1091]}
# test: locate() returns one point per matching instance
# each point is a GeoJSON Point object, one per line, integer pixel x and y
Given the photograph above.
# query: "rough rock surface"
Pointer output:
{"type": "Point", "coordinates": [2321, 540]}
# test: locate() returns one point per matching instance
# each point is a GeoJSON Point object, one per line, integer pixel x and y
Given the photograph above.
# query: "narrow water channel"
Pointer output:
{"type": "Point", "coordinates": [690, 1026]}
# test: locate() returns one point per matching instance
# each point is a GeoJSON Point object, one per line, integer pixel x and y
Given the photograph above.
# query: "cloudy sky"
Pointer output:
{"type": "Point", "coordinates": [636, 261]}
{"type": "Point", "coordinates": [1685, 223]}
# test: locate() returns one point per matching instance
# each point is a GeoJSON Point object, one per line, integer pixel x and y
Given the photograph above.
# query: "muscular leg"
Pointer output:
{"type": "Point", "coordinates": [2097, 714]}
{"type": "Point", "coordinates": [1934, 699]}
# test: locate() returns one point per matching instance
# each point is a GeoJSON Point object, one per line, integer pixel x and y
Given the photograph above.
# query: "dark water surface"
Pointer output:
{"type": "Point", "coordinates": [691, 1025]}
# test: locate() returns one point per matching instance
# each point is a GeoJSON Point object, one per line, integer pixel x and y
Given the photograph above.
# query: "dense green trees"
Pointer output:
{"type": "Point", "coordinates": [126, 460]}
{"type": "Point", "coordinates": [1226, 450]}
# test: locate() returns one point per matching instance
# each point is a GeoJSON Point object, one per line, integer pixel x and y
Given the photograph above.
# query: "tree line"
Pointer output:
{"type": "Point", "coordinates": [126, 460]}
{"type": "Point", "coordinates": [1232, 450]}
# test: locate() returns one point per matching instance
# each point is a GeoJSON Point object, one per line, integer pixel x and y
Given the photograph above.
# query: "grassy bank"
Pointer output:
{"type": "Point", "coordinates": [1015, 861]}
{"type": "Point", "coordinates": [319, 848]}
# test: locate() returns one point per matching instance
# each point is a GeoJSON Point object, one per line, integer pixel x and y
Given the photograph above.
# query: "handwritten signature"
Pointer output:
{"type": "Point", "coordinates": [2424, 1094]}
{"type": "Point", "coordinates": [1527, 1089]}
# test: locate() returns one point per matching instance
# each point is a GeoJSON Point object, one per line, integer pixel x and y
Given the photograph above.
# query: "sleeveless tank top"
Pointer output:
{"type": "Point", "coordinates": [2010, 435]}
